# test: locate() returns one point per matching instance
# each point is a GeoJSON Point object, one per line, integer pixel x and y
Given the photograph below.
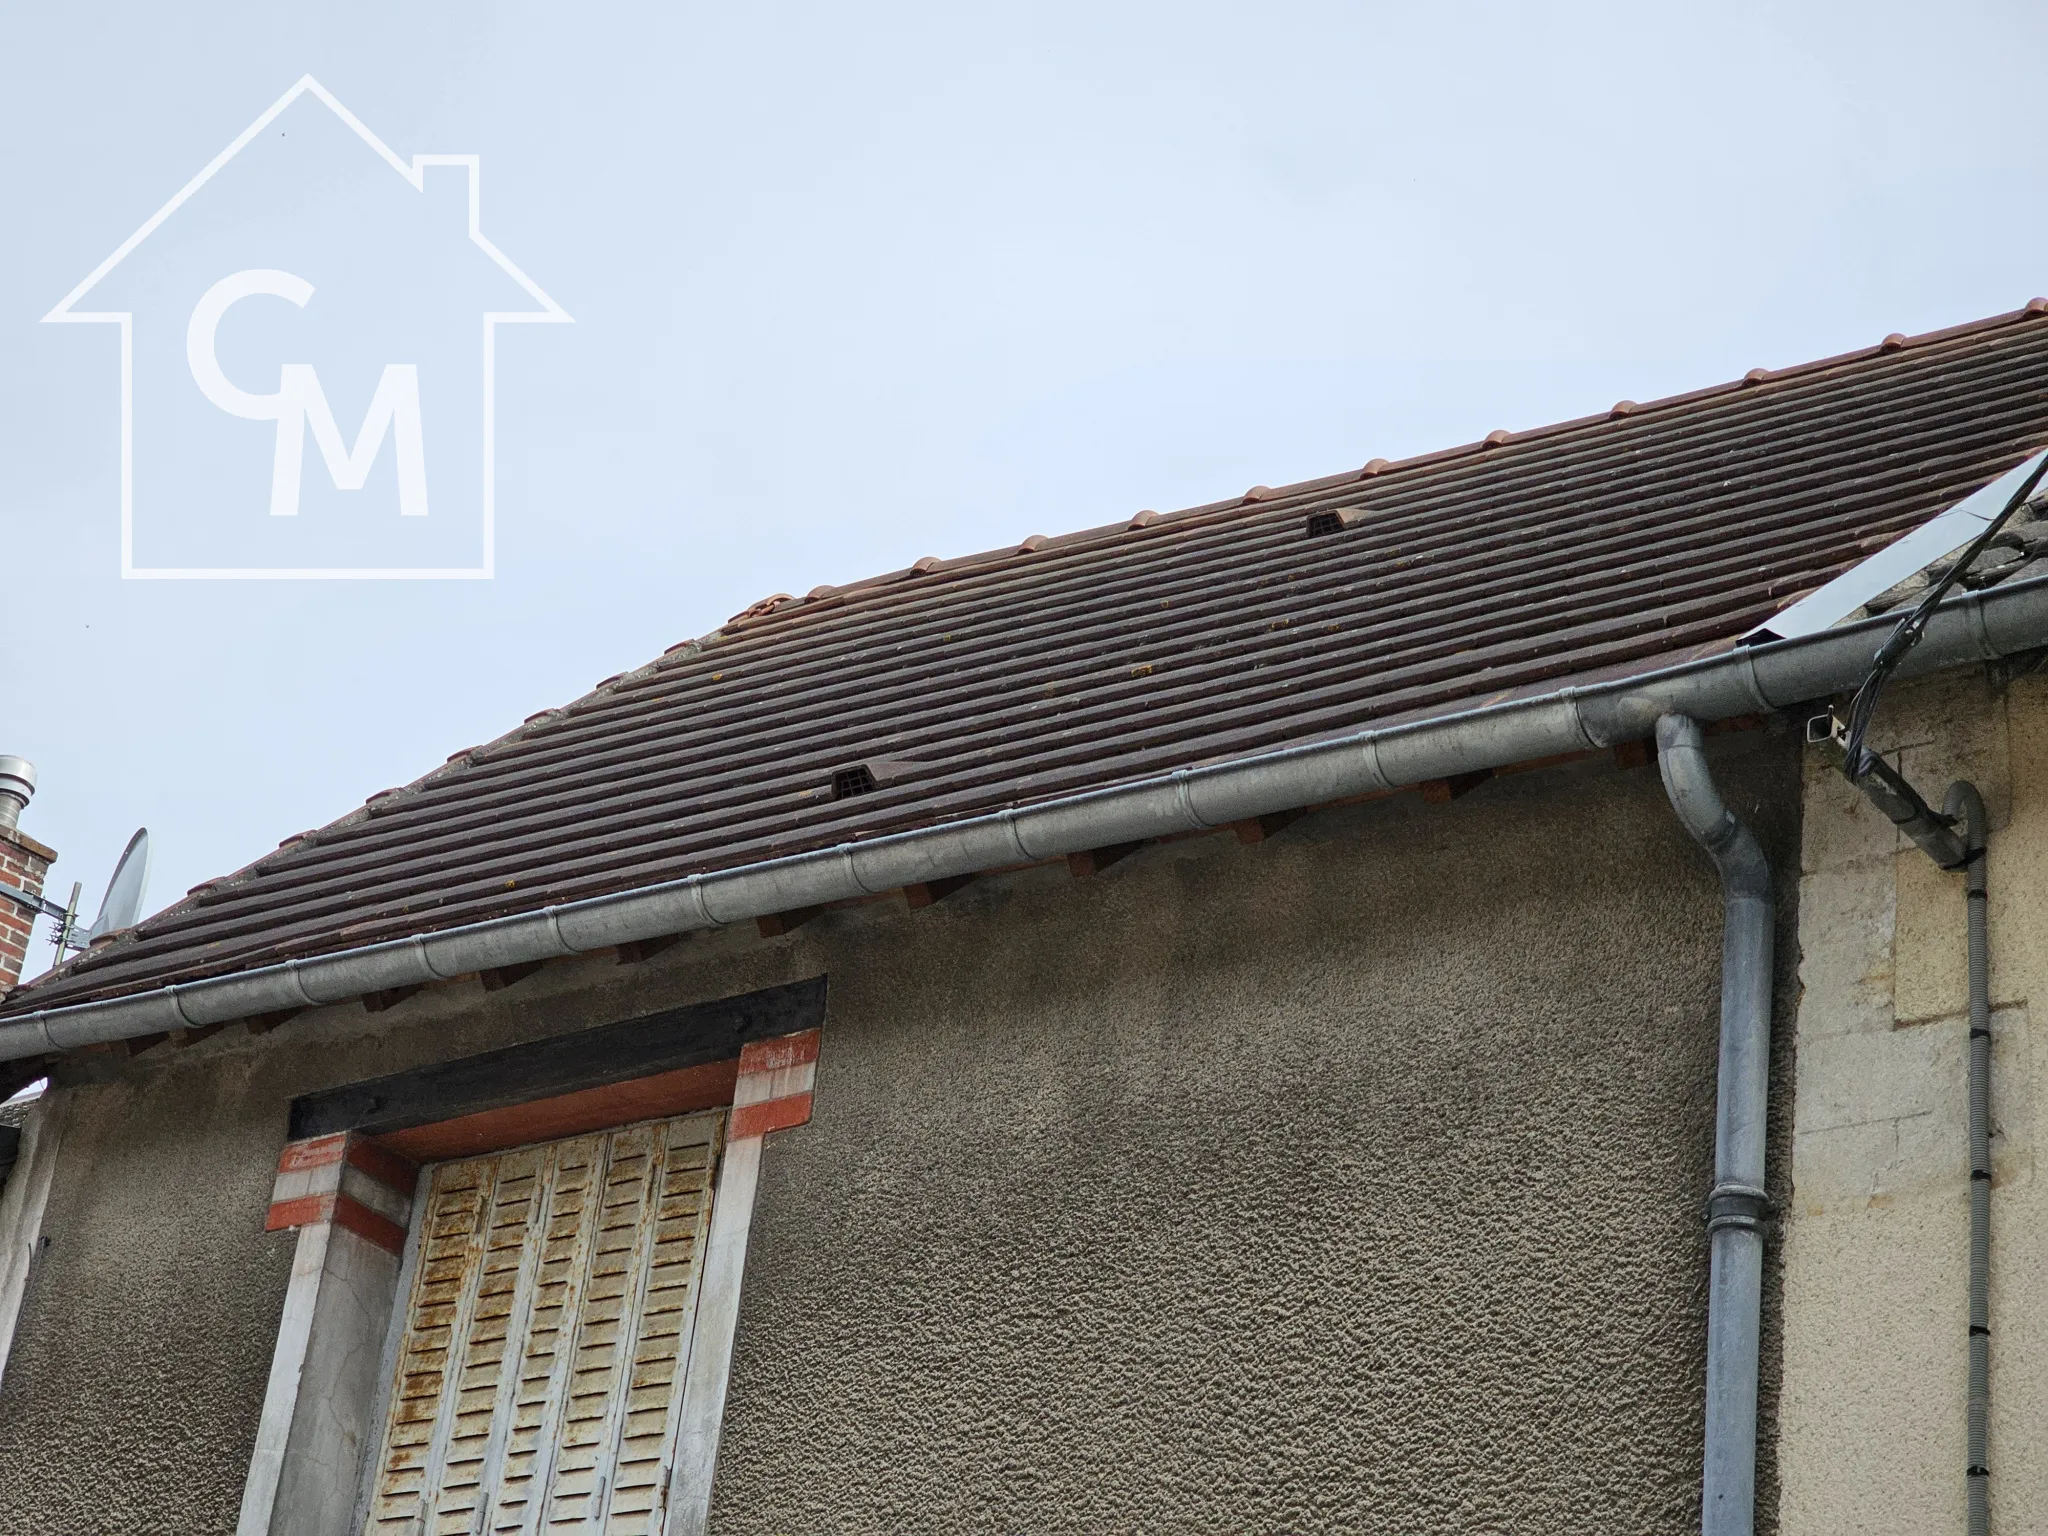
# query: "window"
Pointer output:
{"type": "Point", "coordinates": [539, 1375]}
{"type": "Point", "coordinates": [512, 1303]}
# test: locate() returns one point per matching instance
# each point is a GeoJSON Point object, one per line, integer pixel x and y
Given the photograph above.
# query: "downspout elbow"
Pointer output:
{"type": "Point", "coordinates": [1682, 762]}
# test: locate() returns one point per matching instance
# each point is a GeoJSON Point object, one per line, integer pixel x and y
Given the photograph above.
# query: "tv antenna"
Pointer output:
{"type": "Point", "coordinates": [119, 908]}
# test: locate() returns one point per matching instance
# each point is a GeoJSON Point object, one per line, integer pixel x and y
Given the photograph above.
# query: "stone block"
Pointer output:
{"type": "Point", "coordinates": [1845, 948]}
{"type": "Point", "coordinates": [1839, 826]}
{"type": "Point", "coordinates": [1870, 1419]}
{"type": "Point", "coordinates": [1847, 1167]}
{"type": "Point", "coordinates": [1855, 1079]}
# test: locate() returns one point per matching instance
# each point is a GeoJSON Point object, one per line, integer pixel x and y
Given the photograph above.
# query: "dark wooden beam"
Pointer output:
{"type": "Point", "coordinates": [1444, 791]}
{"type": "Point", "coordinates": [390, 997]}
{"type": "Point", "coordinates": [917, 897]}
{"type": "Point", "coordinates": [500, 977]}
{"type": "Point", "coordinates": [1259, 828]}
{"type": "Point", "coordinates": [1094, 861]}
{"type": "Point", "coordinates": [135, 1045]}
{"type": "Point", "coordinates": [1634, 754]}
{"type": "Point", "coordinates": [264, 1023]}
{"type": "Point", "coordinates": [633, 951]}
{"type": "Point", "coordinates": [775, 924]}
{"type": "Point", "coordinates": [1735, 723]}
{"type": "Point", "coordinates": [182, 1038]}
{"type": "Point", "coordinates": [654, 1043]}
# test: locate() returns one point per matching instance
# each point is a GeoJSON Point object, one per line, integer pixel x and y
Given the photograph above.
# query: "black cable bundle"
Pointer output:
{"type": "Point", "coordinates": [1857, 759]}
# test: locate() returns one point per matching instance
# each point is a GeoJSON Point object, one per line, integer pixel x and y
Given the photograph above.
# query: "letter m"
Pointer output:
{"type": "Point", "coordinates": [395, 408]}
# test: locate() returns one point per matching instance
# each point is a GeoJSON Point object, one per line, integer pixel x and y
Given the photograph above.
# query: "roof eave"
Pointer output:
{"type": "Point", "coordinates": [1977, 627]}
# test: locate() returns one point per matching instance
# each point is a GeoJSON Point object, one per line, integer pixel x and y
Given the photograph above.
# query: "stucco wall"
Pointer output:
{"type": "Point", "coordinates": [1875, 1240]}
{"type": "Point", "coordinates": [1349, 1181]}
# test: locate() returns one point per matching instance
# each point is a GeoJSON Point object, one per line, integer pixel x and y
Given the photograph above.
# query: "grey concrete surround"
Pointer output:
{"type": "Point", "coordinates": [1349, 1181]}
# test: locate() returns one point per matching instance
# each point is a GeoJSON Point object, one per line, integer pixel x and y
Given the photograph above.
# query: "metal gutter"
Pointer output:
{"type": "Point", "coordinates": [1977, 627]}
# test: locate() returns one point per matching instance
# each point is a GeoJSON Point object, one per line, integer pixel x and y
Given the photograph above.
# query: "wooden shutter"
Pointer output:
{"type": "Point", "coordinates": [540, 1373]}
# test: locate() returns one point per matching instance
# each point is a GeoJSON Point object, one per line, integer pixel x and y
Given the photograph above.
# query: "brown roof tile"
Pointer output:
{"type": "Point", "coordinates": [1644, 535]}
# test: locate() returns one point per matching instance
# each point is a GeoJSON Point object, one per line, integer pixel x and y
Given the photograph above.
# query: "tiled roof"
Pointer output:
{"type": "Point", "coordinates": [1599, 547]}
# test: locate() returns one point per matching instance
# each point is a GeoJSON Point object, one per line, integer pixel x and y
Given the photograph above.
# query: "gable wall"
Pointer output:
{"type": "Point", "coordinates": [1348, 1181]}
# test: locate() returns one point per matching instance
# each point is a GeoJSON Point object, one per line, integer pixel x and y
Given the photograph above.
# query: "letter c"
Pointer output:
{"type": "Point", "coordinates": [206, 317]}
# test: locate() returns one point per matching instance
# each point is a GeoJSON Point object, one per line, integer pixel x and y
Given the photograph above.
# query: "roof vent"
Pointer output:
{"type": "Point", "coordinates": [865, 778]}
{"type": "Point", "coordinates": [17, 788]}
{"type": "Point", "coordinates": [848, 782]}
{"type": "Point", "coordinates": [1334, 520]}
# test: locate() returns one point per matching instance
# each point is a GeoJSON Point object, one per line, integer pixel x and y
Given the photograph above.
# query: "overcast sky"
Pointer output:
{"type": "Point", "coordinates": [853, 285]}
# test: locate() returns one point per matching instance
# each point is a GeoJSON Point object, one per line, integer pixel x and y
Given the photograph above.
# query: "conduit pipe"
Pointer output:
{"type": "Point", "coordinates": [1965, 808]}
{"type": "Point", "coordinates": [1976, 627]}
{"type": "Point", "coordinates": [1737, 1206]}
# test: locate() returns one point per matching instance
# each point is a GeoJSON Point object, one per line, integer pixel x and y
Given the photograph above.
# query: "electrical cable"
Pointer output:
{"type": "Point", "coordinates": [1857, 759]}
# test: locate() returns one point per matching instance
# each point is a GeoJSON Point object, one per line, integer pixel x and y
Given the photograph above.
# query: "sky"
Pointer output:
{"type": "Point", "coordinates": [854, 285]}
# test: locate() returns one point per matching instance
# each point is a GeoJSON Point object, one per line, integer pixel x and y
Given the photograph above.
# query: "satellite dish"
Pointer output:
{"type": "Point", "coordinates": [123, 902]}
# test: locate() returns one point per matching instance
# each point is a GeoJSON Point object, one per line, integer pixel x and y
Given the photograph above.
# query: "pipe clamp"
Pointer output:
{"type": "Point", "coordinates": [1737, 1208]}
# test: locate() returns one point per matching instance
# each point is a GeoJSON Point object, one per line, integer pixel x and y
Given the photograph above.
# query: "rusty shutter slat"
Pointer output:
{"type": "Point", "coordinates": [594, 1378]}
{"type": "Point", "coordinates": [544, 1371]}
{"type": "Point", "coordinates": [649, 1411]}
{"type": "Point", "coordinates": [442, 1303]}
{"type": "Point", "coordinates": [540, 1214]}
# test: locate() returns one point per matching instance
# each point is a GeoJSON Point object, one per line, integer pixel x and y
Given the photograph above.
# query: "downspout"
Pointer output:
{"type": "Point", "coordinates": [1737, 1205]}
{"type": "Point", "coordinates": [1965, 807]}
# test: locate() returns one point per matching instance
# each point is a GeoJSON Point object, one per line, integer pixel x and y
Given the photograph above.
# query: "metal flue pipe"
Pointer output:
{"type": "Point", "coordinates": [17, 788]}
{"type": "Point", "coordinates": [1737, 1206]}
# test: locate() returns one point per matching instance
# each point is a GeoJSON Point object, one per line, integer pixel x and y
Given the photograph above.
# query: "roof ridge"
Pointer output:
{"type": "Point", "coordinates": [784, 606]}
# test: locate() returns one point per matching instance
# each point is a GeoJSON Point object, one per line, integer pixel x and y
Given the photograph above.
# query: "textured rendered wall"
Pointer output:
{"type": "Point", "coordinates": [1875, 1242]}
{"type": "Point", "coordinates": [1350, 1181]}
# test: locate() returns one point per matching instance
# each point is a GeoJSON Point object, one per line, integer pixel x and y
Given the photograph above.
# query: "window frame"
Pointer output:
{"type": "Point", "coordinates": [394, 1339]}
{"type": "Point", "coordinates": [333, 1366]}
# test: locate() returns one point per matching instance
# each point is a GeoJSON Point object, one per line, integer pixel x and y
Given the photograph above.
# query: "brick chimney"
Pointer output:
{"type": "Point", "coordinates": [23, 863]}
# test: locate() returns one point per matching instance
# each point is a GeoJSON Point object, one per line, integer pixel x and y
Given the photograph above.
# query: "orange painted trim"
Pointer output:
{"type": "Point", "coordinates": [343, 1211]}
{"type": "Point", "coordinates": [371, 1226]}
{"type": "Point", "coordinates": [770, 1115]}
{"type": "Point", "coordinates": [782, 1052]}
{"type": "Point", "coordinates": [382, 1164]}
{"type": "Point", "coordinates": [302, 1212]}
{"type": "Point", "coordinates": [315, 1152]}
{"type": "Point", "coordinates": [568, 1114]}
